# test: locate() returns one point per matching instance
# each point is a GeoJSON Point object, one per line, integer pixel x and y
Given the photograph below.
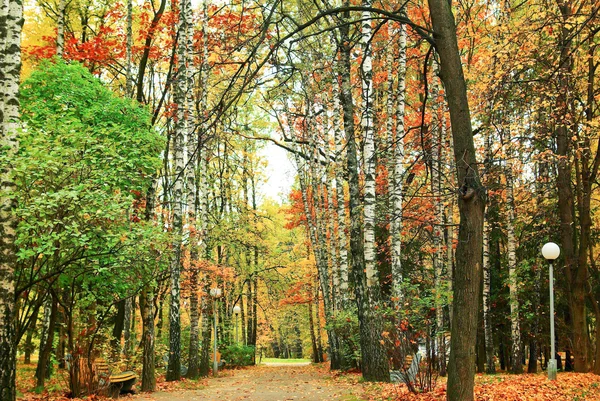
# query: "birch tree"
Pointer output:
{"type": "Point", "coordinates": [180, 98]}
{"type": "Point", "coordinates": [397, 167]}
{"type": "Point", "coordinates": [11, 23]}
{"type": "Point", "coordinates": [513, 279]}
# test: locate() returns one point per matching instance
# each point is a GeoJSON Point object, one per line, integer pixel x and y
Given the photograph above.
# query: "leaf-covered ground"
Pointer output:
{"type": "Point", "coordinates": [500, 387]}
{"type": "Point", "coordinates": [316, 383]}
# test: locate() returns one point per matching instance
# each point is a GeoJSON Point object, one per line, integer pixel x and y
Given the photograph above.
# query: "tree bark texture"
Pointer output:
{"type": "Point", "coordinates": [180, 99]}
{"type": "Point", "coordinates": [11, 23]}
{"type": "Point", "coordinates": [397, 170]}
{"type": "Point", "coordinates": [42, 371]}
{"type": "Point", "coordinates": [341, 199]}
{"type": "Point", "coordinates": [374, 359]}
{"type": "Point", "coordinates": [513, 278]}
{"type": "Point", "coordinates": [60, 30]}
{"type": "Point", "coordinates": [368, 132]}
{"type": "Point", "coordinates": [471, 204]}
{"type": "Point", "coordinates": [148, 366]}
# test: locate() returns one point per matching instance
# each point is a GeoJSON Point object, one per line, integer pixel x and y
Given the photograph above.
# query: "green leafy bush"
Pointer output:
{"type": "Point", "coordinates": [345, 325]}
{"type": "Point", "coordinates": [238, 355]}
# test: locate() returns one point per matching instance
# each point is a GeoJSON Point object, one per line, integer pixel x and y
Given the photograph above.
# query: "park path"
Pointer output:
{"type": "Point", "coordinates": [262, 383]}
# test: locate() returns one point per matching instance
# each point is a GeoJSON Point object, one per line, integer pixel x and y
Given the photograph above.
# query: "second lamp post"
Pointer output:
{"type": "Point", "coordinates": [215, 293]}
{"type": "Point", "coordinates": [551, 251]}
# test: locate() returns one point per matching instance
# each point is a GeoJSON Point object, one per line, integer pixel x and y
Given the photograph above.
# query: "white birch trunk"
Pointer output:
{"type": "Point", "coordinates": [179, 134]}
{"type": "Point", "coordinates": [513, 278]}
{"type": "Point", "coordinates": [192, 144]}
{"type": "Point", "coordinates": [11, 23]}
{"type": "Point", "coordinates": [331, 213]}
{"type": "Point", "coordinates": [487, 276]}
{"type": "Point", "coordinates": [341, 199]}
{"type": "Point", "coordinates": [487, 304]}
{"type": "Point", "coordinates": [369, 150]}
{"type": "Point", "coordinates": [60, 30]}
{"type": "Point", "coordinates": [438, 138]}
{"type": "Point", "coordinates": [398, 173]}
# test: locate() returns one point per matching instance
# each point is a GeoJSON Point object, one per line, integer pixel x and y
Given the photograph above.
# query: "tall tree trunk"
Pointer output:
{"type": "Point", "coordinates": [368, 132]}
{"type": "Point", "coordinates": [576, 273]}
{"type": "Point", "coordinates": [193, 151]}
{"type": "Point", "coordinates": [487, 303]}
{"type": "Point", "coordinates": [373, 356]}
{"type": "Point", "coordinates": [397, 170]}
{"type": "Point", "coordinates": [437, 136]}
{"type": "Point", "coordinates": [11, 23]}
{"type": "Point", "coordinates": [513, 279]}
{"type": "Point", "coordinates": [341, 200]}
{"type": "Point", "coordinates": [471, 204]}
{"type": "Point", "coordinates": [317, 235]}
{"type": "Point", "coordinates": [180, 130]}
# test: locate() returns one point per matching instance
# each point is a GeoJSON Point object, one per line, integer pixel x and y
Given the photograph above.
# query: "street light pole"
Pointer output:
{"type": "Point", "coordinates": [215, 293]}
{"type": "Point", "coordinates": [236, 312]}
{"type": "Point", "coordinates": [551, 251]}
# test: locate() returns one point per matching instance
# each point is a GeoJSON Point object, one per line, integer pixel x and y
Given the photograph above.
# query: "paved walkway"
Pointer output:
{"type": "Point", "coordinates": [262, 383]}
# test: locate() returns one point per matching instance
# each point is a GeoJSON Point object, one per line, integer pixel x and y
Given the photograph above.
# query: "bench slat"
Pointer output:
{"type": "Point", "coordinates": [121, 377]}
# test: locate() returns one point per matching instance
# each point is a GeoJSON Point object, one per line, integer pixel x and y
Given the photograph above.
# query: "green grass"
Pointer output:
{"type": "Point", "coordinates": [277, 360]}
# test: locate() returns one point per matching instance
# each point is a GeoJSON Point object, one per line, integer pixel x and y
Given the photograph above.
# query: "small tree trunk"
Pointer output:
{"type": "Point", "coordinates": [29, 339]}
{"type": "Point", "coordinates": [317, 358]}
{"type": "Point", "coordinates": [487, 305]}
{"type": "Point", "coordinates": [127, 321]}
{"type": "Point", "coordinates": [43, 367]}
{"type": "Point", "coordinates": [532, 366]}
{"type": "Point", "coordinates": [204, 368]}
{"type": "Point", "coordinates": [60, 29]}
{"type": "Point", "coordinates": [117, 331]}
{"type": "Point", "coordinates": [148, 366]}
{"type": "Point", "coordinates": [318, 323]}
{"type": "Point", "coordinates": [250, 313]}
{"type": "Point", "coordinates": [193, 358]}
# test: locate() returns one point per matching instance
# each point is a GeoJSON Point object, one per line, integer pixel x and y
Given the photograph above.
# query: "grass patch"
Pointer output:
{"type": "Point", "coordinates": [277, 360]}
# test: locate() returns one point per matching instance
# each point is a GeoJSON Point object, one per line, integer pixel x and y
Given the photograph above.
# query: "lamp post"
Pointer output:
{"type": "Point", "coordinates": [551, 251]}
{"type": "Point", "coordinates": [215, 293]}
{"type": "Point", "coordinates": [236, 312]}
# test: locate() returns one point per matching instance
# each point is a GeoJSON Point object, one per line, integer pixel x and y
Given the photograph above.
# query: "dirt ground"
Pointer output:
{"type": "Point", "coordinates": [262, 383]}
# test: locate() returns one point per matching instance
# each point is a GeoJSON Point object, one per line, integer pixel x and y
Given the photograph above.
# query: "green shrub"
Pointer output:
{"type": "Point", "coordinates": [345, 325]}
{"type": "Point", "coordinates": [238, 355]}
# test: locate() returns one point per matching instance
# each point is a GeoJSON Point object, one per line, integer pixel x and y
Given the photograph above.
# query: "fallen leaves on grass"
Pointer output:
{"type": "Point", "coordinates": [501, 387]}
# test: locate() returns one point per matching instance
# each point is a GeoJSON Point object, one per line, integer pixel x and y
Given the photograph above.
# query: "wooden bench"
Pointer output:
{"type": "Point", "coordinates": [114, 384]}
